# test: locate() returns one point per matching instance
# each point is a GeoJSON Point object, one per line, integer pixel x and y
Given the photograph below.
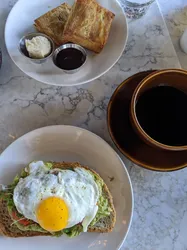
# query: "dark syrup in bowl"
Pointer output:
{"type": "Point", "coordinates": [70, 58]}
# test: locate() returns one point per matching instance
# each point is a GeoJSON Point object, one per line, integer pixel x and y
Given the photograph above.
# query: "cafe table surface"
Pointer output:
{"type": "Point", "coordinates": [160, 208]}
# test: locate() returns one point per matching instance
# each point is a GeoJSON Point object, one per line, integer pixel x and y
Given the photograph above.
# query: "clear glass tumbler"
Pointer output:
{"type": "Point", "coordinates": [135, 9]}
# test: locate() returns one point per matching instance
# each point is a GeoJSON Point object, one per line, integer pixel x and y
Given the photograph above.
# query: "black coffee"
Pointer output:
{"type": "Point", "coordinates": [162, 113]}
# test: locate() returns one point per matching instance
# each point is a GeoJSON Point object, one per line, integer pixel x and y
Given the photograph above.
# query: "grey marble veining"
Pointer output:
{"type": "Point", "coordinates": [160, 214]}
{"type": "Point", "coordinates": [175, 15]}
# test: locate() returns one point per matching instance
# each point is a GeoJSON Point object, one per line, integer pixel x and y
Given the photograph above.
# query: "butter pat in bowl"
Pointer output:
{"type": "Point", "coordinates": [37, 47]}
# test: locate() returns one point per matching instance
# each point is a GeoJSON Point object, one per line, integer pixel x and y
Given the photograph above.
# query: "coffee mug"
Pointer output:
{"type": "Point", "coordinates": [158, 133]}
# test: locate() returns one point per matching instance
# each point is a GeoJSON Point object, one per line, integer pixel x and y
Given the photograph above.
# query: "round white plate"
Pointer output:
{"type": "Point", "coordinates": [67, 143]}
{"type": "Point", "coordinates": [20, 22]}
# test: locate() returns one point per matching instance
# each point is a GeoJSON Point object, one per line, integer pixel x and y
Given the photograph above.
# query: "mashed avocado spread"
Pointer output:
{"type": "Point", "coordinates": [28, 225]}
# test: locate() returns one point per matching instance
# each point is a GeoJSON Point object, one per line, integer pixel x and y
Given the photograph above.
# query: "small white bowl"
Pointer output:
{"type": "Point", "coordinates": [24, 52]}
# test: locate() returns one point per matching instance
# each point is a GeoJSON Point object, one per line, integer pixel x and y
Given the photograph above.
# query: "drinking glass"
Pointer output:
{"type": "Point", "coordinates": [135, 9]}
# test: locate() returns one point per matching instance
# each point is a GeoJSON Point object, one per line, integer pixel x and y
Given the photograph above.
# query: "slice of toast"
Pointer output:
{"type": "Point", "coordinates": [52, 23]}
{"type": "Point", "coordinates": [88, 25]}
{"type": "Point", "coordinates": [104, 225]}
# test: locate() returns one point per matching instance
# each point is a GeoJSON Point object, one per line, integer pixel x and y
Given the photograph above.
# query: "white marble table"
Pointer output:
{"type": "Point", "coordinates": [160, 214]}
{"type": "Point", "coordinates": [175, 15]}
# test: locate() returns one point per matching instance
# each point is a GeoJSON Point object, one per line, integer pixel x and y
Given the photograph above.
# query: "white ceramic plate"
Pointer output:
{"type": "Point", "coordinates": [20, 22]}
{"type": "Point", "coordinates": [66, 143]}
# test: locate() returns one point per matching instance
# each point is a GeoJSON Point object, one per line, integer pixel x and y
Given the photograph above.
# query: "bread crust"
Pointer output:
{"type": "Point", "coordinates": [88, 25]}
{"type": "Point", "coordinates": [9, 230]}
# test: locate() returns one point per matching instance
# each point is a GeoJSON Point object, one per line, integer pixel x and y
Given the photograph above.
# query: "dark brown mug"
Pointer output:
{"type": "Point", "coordinates": [170, 77]}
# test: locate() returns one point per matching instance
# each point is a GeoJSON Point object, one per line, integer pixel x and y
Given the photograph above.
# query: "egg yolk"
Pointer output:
{"type": "Point", "coordinates": [52, 214]}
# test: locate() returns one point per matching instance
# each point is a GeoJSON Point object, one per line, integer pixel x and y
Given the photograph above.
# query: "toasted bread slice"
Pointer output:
{"type": "Point", "coordinates": [88, 25]}
{"type": "Point", "coordinates": [104, 225]}
{"type": "Point", "coordinates": [52, 23]}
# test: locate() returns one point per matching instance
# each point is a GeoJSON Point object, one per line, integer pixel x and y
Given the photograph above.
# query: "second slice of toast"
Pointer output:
{"type": "Point", "coordinates": [88, 25]}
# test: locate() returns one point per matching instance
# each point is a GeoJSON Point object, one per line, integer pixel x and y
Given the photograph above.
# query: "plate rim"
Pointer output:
{"type": "Point", "coordinates": [106, 144]}
{"type": "Point", "coordinates": [72, 84]}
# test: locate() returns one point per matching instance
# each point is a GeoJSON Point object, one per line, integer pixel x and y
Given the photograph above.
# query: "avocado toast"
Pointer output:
{"type": "Point", "coordinates": [13, 224]}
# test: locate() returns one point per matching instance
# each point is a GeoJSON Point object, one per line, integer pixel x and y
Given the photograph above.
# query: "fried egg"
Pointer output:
{"type": "Point", "coordinates": [57, 199]}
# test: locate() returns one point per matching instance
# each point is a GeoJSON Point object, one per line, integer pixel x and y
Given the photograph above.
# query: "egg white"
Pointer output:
{"type": "Point", "coordinates": [77, 188]}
